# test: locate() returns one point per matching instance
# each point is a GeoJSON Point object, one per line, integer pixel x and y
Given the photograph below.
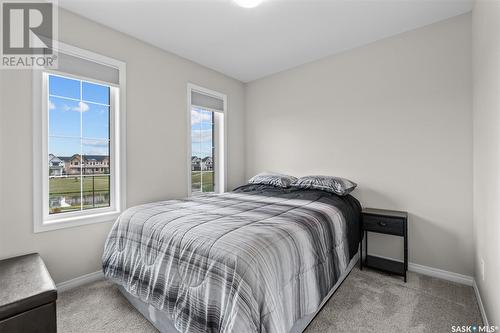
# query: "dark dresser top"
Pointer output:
{"type": "Point", "coordinates": [385, 212]}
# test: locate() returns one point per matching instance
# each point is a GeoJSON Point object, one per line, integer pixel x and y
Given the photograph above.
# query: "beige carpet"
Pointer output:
{"type": "Point", "coordinates": [367, 301]}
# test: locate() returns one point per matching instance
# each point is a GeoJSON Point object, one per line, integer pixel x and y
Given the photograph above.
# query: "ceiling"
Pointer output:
{"type": "Point", "coordinates": [248, 44]}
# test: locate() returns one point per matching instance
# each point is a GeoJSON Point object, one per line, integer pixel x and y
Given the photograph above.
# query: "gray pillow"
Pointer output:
{"type": "Point", "coordinates": [274, 179]}
{"type": "Point", "coordinates": [337, 185]}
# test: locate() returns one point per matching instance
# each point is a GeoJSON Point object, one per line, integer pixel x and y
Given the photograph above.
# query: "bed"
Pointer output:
{"type": "Point", "coordinates": [258, 259]}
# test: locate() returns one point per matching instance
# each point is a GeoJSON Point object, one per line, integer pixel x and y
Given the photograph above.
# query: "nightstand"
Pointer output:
{"type": "Point", "coordinates": [388, 222]}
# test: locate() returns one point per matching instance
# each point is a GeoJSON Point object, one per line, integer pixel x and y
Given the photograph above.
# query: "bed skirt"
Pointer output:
{"type": "Point", "coordinates": [162, 322]}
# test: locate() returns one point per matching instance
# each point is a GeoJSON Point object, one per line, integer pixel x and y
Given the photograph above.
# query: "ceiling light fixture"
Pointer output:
{"type": "Point", "coordinates": [248, 3]}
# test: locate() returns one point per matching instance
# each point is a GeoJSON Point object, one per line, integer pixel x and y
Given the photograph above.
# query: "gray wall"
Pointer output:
{"type": "Point", "coordinates": [156, 143]}
{"type": "Point", "coordinates": [394, 116]}
{"type": "Point", "coordinates": [486, 50]}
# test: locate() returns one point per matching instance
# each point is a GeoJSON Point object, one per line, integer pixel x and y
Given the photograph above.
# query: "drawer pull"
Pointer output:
{"type": "Point", "coordinates": [382, 224]}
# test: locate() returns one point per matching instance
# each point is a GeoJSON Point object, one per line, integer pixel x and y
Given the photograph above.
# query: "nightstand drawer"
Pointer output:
{"type": "Point", "coordinates": [383, 224]}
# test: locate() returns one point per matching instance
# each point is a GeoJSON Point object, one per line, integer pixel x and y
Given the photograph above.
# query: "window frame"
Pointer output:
{"type": "Point", "coordinates": [220, 153]}
{"type": "Point", "coordinates": [42, 220]}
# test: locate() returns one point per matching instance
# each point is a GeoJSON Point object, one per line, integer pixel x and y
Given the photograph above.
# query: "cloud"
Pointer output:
{"type": "Point", "coordinates": [95, 142]}
{"type": "Point", "coordinates": [201, 136]}
{"type": "Point", "coordinates": [95, 147]}
{"type": "Point", "coordinates": [82, 107]}
{"type": "Point", "coordinates": [197, 117]}
{"type": "Point", "coordinates": [52, 106]}
{"type": "Point", "coordinates": [96, 151]}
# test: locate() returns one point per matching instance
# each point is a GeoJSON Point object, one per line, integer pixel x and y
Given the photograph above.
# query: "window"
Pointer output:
{"type": "Point", "coordinates": [79, 123]}
{"type": "Point", "coordinates": [79, 127]}
{"type": "Point", "coordinates": [202, 147]}
{"type": "Point", "coordinates": [206, 154]}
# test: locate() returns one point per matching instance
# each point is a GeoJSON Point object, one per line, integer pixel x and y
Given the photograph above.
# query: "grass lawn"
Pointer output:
{"type": "Point", "coordinates": [206, 179]}
{"type": "Point", "coordinates": [69, 188]}
{"type": "Point", "coordinates": [72, 184]}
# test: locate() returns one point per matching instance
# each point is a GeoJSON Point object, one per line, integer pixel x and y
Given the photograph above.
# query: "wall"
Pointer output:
{"type": "Point", "coordinates": [394, 116]}
{"type": "Point", "coordinates": [156, 142]}
{"type": "Point", "coordinates": [486, 51]}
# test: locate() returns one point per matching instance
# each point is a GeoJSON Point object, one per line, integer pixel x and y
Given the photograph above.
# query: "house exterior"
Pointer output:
{"type": "Point", "coordinates": [56, 166]}
{"type": "Point", "coordinates": [96, 164]}
{"type": "Point", "coordinates": [195, 163]}
{"type": "Point", "coordinates": [207, 164]}
{"type": "Point", "coordinates": [202, 164]}
{"type": "Point", "coordinates": [72, 165]}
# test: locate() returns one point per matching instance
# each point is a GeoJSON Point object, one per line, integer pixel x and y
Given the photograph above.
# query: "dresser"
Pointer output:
{"type": "Point", "coordinates": [387, 222]}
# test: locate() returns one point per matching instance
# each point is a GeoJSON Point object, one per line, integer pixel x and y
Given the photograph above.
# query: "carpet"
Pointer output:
{"type": "Point", "coordinates": [367, 301]}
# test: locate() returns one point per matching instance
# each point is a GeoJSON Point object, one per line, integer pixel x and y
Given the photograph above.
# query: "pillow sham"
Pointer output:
{"type": "Point", "coordinates": [274, 179]}
{"type": "Point", "coordinates": [337, 185]}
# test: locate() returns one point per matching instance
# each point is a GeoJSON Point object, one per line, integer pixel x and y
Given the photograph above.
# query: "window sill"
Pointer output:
{"type": "Point", "coordinates": [75, 221]}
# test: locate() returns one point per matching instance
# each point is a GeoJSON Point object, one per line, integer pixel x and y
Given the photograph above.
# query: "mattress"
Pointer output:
{"type": "Point", "coordinates": [258, 259]}
{"type": "Point", "coordinates": [164, 324]}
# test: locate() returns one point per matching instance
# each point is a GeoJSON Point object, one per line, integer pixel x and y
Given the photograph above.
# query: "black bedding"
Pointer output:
{"type": "Point", "coordinates": [349, 205]}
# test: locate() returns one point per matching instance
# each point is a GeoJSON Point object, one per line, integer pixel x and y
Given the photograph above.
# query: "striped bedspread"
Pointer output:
{"type": "Point", "coordinates": [254, 260]}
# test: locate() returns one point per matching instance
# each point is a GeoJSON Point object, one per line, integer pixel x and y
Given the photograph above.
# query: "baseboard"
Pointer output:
{"type": "Point", "coordinates": [439, 273]}
{"type": "Point", "coordinates": [421, 269]}
{"type": "Point", "coordinates": [78, 281]}
{"type": "Point", "coordinates": [480, 303]}
{"type": "Point", "coordinates": [435, 272]}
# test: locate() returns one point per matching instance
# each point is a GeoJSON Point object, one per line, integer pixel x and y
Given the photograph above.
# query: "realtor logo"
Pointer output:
{"type": "Point", "coordinates": [28, 34]}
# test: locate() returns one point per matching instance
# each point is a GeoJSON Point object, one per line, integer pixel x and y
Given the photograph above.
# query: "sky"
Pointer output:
{"type": "Point", "coordinates": [78, 117]}
{"type": "Point", "coordinates": [79, 120]}
{"type": "Point", "coordinates": [201, 132]}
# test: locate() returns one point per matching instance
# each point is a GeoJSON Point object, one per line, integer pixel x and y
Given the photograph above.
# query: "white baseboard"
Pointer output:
{"type": "Point", "coordinates": [421, 269]}
{"type": "Point", "coordinates": [78, 281]}
{"type": "Point", "coordinates": [449, 276]}
{"type": "Point", "coordinates": [439, 273]}
{"type": "Point", "coordinates": [435, 272]}
{"type": "Point", "coordinates": [412, 267]}
{"type": "Point", "coordinates": [480, 303]}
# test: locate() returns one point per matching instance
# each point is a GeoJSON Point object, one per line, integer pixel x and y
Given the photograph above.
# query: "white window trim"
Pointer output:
{"type": "Point", "coordinates": [41, 220]}
{"type": "Point", "coordinates": [221, 184]}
